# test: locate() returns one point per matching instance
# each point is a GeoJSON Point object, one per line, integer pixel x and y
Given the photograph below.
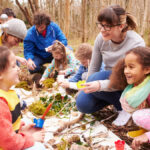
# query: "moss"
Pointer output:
{"type": "Point", "coordinates": [48, 83]}
{"type": "Point", "coordinates": [24, 85]}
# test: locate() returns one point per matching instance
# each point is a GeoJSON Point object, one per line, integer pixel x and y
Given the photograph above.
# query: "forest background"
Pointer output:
{"type": "Point", "coordinates": [77, 18]}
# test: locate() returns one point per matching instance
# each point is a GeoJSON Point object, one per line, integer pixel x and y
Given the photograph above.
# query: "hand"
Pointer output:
{"type": "Point", "coordinates": [49, 49]}
{"type": "Point", "coordinates": [22, 60]}
{"type": "Point", "coordinates": [31, 64]}
{"type": "Point", "coordinates": [39, 136]}
{"type": "Point", "coordinates": [64, 84]}
{"type": "Point", "coordinates": [91, 87]}
{"type": "Point", "coordinates": [37, 133]}
{"type": "Point", "coordinates": [139, 140]}
{"type": "Point", "coordinates": [41, 81]}
{"type": "Point", "coordinates": [62, 72]}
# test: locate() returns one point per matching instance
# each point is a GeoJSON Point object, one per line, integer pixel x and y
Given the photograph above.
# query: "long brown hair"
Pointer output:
{"type": "Point", "coordinates": [115, 14]}
{"type": "Point", "coordinates": [4, 58]}
{"type": "Point", "coordinates": [117, 78]}
{"type": "Point", "coordinates": [58, 47]}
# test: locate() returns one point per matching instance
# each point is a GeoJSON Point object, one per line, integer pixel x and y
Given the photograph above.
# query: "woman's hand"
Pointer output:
{"type": "Point", "coordinates": [21, 60]}
{"type": "Point", "coordinates": [91, 87]}
{"type": "Point", "coordinates": [31, 64]}
{"type": "Point", "coordinates": [139, 140]}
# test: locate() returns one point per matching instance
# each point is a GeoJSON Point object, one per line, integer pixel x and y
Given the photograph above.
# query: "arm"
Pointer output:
{"type": "Point", "coordinates": [29, 47]}
{"type": "Point", "coordinates": [96, 59]}
{"type": "Point", "coordinates": [72, 64]}
{"type": "Point", "coordinates": [60, 36]}
{"type": "Point", "coordinates": [20, 140]}
{"type": "Point", "coordinates": [49, 70]}
{"type": "Point", "coordinates": [78, 75]}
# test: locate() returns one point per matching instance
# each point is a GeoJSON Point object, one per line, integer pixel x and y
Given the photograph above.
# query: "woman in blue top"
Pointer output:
{"type": "Point", "coordinates": [40, 36]}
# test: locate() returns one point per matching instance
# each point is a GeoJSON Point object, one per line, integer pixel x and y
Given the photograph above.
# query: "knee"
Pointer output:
{"type": "Point", "coordinates": [84, 103]}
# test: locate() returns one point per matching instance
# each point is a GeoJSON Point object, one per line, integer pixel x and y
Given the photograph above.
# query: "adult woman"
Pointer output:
{"type": "Point", "coordinates": [14, 34]}
{"type": "Point", "coordinates": [115, 39]}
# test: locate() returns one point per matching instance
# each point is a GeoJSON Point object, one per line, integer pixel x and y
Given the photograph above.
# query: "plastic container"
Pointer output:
{"type": "Point", "coordinates": [79, 84]}
{"type": "Point", "coordinates": [38, 122]}
{"type": "Point", "coordinates": [119, 145]}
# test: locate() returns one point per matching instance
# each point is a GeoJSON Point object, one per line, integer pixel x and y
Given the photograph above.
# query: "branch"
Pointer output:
{"type": "Point", "coordinates": [24, 12]}
{"type": "Point", "coordinates": [31, 5]}
{"type": "Point", "coordinates": [68, 124]}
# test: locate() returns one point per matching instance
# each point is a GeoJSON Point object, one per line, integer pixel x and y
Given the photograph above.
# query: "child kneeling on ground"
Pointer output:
{"type": "Point", "coordinates": [83, 54]}
{"type": "Point", "coordinates": [64, 62]}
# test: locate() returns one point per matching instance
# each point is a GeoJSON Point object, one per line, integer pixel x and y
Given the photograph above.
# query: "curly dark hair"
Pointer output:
{"type": "Point", "coordinates": [9, 12]}
{"type": "Point", "coordinates": [117, 78]}
{"type": "Point", "coordinates": [41, 18]}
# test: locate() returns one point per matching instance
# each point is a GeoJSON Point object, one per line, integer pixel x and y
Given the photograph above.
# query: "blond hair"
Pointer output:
{"type": "Point", "coordinates": [59, 48]}
{"type": "Point", "coordinates": [84, 51]}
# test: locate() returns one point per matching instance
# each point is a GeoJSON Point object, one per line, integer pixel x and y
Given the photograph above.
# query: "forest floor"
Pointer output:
{"type": "Point", "coordinates": [104, 115]}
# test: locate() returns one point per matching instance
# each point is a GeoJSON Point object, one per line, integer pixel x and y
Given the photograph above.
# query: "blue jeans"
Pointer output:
{"type": "Point", "coordinates": [39, 62]}
{"type": "Point", "coordinates": [92, 102]}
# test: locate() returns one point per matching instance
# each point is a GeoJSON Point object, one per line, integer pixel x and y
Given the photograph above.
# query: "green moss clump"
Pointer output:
{"type": "Point", "coordinates": [39, 108]}
{"type": "Point", "coordinates": [24, 85]}
{"type": "Point", "coordinates": [48, 83]}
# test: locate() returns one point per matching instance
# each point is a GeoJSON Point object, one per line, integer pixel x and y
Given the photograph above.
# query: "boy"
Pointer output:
{"type": "Point", "coordinates": [83, 54]}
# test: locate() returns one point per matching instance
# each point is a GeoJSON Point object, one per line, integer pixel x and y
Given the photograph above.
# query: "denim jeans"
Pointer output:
{"type": "Point", "coordinates": [39, 63]}
{"type": "Point", "coordinates": [92, 102]}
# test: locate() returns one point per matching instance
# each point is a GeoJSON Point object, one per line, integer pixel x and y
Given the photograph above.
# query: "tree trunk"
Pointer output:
{"type": "Point", "coordinates": [83, 20]}
{"type": "Point", "coordinates": [145, 17]}
{"type": "Point", "coordinates": [67, 17]}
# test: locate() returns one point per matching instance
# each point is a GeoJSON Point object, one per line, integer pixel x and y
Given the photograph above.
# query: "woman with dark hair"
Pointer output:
{"type": "Point", "coordinates": [40, 36]}
{"type": "Point", "coordinates": [116, 37]}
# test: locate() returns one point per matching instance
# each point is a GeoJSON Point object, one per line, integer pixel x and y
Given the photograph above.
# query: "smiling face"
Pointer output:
{"type": "Point", "coordinates": [134, 71]}
{"type": "Point", "coordinates": [9, 76]}
{"type": "Point", "coordinates": [41, 28]}
{"type": "Point", "coordinates": [111, 32]}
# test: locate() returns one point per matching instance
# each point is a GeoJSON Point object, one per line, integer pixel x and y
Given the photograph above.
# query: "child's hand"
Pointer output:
{"type": "Point", "coordinates": [22, 60]}
{"type": "Point", "coordinates": [64, 84]}
{"type": "Point", "coordinates": [139, 140]}
{"type": "Point", "coordinates": [63, 72]}
{"type": "Point", "coordinates": [41, 81]}
{"type": "Point", "coordinates": [49, 49]}
{"type": "Point", "coordinates": [39, 136]}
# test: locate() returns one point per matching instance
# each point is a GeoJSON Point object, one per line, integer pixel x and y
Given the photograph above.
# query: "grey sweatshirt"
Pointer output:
{"type": "Point", "coordinates": [109, 53]}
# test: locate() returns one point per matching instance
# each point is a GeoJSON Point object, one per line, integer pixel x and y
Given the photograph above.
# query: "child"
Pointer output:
{"type": "Point", "coordinates": [14, 33]}
{"type": "Point", "coordinates": [142, 119]}
{"type": "Point", "coordinates": [135, 69]}
{"type": "Point", "coordinates": [83, 54]}
{"type": "Point", "coordinates": [64, 62]}
{"type": "Point", "coordinates": [13, 135]}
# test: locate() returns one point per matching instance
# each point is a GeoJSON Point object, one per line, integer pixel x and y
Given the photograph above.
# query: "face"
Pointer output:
{"type": "Point", "coordinates": [134, 71]}
{"type": "Point", "coordinates": [109, 32]}
{"type": "Point", "coordinates": [84, 62]}
{"type": "Point", "coordinates": [41, 28]}
{"type": "Point", "coordinates": [12, 41]}
{"type": "Point", "coordinates": [57, 55]}
{"type": "Point", "coordinates": [10, 75]}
